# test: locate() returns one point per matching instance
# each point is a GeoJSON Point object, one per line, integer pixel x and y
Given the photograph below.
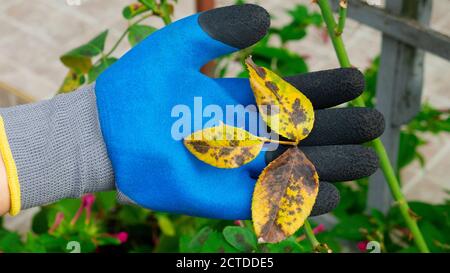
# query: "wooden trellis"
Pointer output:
{"type": "Point", "coordinates": [406, 37]}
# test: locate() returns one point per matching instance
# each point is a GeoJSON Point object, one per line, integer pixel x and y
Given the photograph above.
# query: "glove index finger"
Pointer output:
{"type": "Point", "coordinates": [239, 26]}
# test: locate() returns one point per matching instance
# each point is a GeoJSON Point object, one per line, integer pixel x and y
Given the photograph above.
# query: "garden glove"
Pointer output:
{"type": "Point", "coordinates": [116, 134]}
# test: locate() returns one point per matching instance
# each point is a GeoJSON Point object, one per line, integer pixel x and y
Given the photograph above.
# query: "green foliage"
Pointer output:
{"type": "Point", "coordinates": [88, 61]}
{"type": "Point", "coordinates": [429, 120]}
{"type": "Point", "coordinates": [79, 59]}
{"type": "Point", "coordinates": [277, 58]}
{"type": "Point", "coordinates": [296, 30]}
{"type": "Point", "coordinates": [412, 136]}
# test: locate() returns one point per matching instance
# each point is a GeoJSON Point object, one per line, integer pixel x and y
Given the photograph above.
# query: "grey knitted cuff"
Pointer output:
{"type": "Point", "coordinates": [58, 148]}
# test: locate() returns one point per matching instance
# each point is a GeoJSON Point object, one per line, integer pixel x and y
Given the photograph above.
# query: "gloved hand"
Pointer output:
{"type": "Point", "coordinates": [135, 98]}
{"type": "Point", "coordinates": [117, 134]}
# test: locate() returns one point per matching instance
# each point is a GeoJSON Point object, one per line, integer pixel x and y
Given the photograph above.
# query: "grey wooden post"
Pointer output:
{"type": "Point", "coordinates": [399, 89]}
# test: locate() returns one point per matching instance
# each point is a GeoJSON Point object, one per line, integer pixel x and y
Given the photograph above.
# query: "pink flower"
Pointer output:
{"type": "Point", "coordinates": [362, 246]}
{"type": "Point", "coordinates": [122, 237]}
{"type": "Point", "coordinates": [58, 219]}
{"type": "Point", "coordinates": [320, 228]}
{"type": "Point", "coordinates": [88, 200]}
{"type": "Point", "coordinates": [86, 204]}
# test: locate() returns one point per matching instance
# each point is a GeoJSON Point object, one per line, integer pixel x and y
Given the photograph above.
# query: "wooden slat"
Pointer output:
{"type": "Point", "coordinates": [403, 29]}
{"type": "Point", "coordinates": [399, 91]}
{"type": "Point", "coordinates": [10, 96]}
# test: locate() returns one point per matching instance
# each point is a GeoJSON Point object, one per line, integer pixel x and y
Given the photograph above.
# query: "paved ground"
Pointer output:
{"type": "Point", "coordinates": [35, 33]}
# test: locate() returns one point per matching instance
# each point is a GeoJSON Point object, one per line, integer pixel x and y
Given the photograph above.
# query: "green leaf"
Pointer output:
{"type": "Point", "coordinates": [166, 10]}
{"type": "Point", "coordinates": [98, 69]}
{"type": "Point", "coordinates": [241, 238]}
{"type": "Point", "coordinates": [40, 223]}
{"type": "Point", "coordinates": [132, 215]}
{"type": "Point", "coordinates": [209, 241]}
{"type": "Point", "coordinates": [378, 217]}
{"type": "Point", "coordinates": [138, 33]}
{"type": "Point", "coordinates": [79, 59]}
{"type": "Point", "coordinates": [291, 32]}
{"type": "Point", "coordinates": [105, 201]}
{"type": "Point", "coordinates": [299, 13]}
{"type": "Point", "coordinates": [287, 246]}
{"type": "Point", "coordinates": [408, 149]}
{"type": "Point", "coordinates": [351, 227]}
{"type": "Point", "coordinates": [165, 224]}
{"type": "Point", "coordinates": [10, 242]}
{"type": "Point", "coordinates": [44, 243]}
{"type": "Point", "coordinates": [286, 62]}
{"type": "Point", "coordinates": [107, 240]}
{"type": "Point", "coordinates": [434, 236]}
{"type": "Point", "coordinates": [151, 4]}
{"type": "Point", "coordinates": [131, 11]}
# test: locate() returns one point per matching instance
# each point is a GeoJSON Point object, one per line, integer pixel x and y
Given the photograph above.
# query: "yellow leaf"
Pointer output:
{"type": "Point", "coordinates": [224, 146]}
{"type": "Point", "coordinates": [283, 107]}
{"type": "Point", "coordinates": [284, 196]}
{"type": "Point", "coordinates": [71, 82]}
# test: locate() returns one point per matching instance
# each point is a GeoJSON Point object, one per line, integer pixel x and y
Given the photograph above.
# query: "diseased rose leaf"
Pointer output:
{"type": "Point", "coordinates": [283, 107]}
{"type": "Point", "coordinates": [137, 33]}
{"type": "Point", "coordinates": [71, 82]}
{"type": "Point", "coordinates": [284, 196]}
{"type": "Point", "coordinates": [224, 146]}
{"type": "Point", "coordinates": [240, 238]}
{"type": "Point", "coordinates": [130, 11]}
{"type": "Point", "coordinates": [99, 68]}
{"type": "Point", "coordinates": [79, 59]}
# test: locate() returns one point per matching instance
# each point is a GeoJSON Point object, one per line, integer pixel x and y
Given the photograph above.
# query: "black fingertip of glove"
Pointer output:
{"type": "Point", "coordinates": [341, 126]}
{"type": "Point", "coordinates": [239, 26]}
{"type": "Point", "coordinates": [330, 87]}
{"type": "Point", "coordinates": [327, 199]}
{"type": "Point", "coordinates": [342, 163]}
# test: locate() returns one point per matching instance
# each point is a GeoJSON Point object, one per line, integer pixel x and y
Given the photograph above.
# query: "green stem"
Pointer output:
{"type": "Point", "coordinates": [385, 163]}
{"type": "Point", "coordinates": [310, 235]}
{"type": "Point", "coordinates": [124, 34]}
{"type": "Point", "coordinates": [342, 17]}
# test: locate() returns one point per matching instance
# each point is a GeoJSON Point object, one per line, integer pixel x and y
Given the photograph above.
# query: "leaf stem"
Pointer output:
{"type": "Point", "coordinates": [291, 143]}
{"type": "Point", "coordinates": [385, 163]}
{"type": "Point", "coordinates": [310, 235]}
{"type": "Point", "coordinates": [126, 32]}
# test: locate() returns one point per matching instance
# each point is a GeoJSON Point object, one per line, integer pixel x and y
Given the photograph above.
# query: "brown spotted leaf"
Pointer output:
{"type": "Point", "coordinates": [283, 107]}
{"type": "Point", "coordinates": [224, 146]}
{"type": "Point", "coordinates": [284, 196]}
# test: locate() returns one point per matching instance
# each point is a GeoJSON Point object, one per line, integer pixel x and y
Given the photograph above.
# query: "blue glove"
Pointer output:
{"type": "Point", "coordinates": [136, 96]}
